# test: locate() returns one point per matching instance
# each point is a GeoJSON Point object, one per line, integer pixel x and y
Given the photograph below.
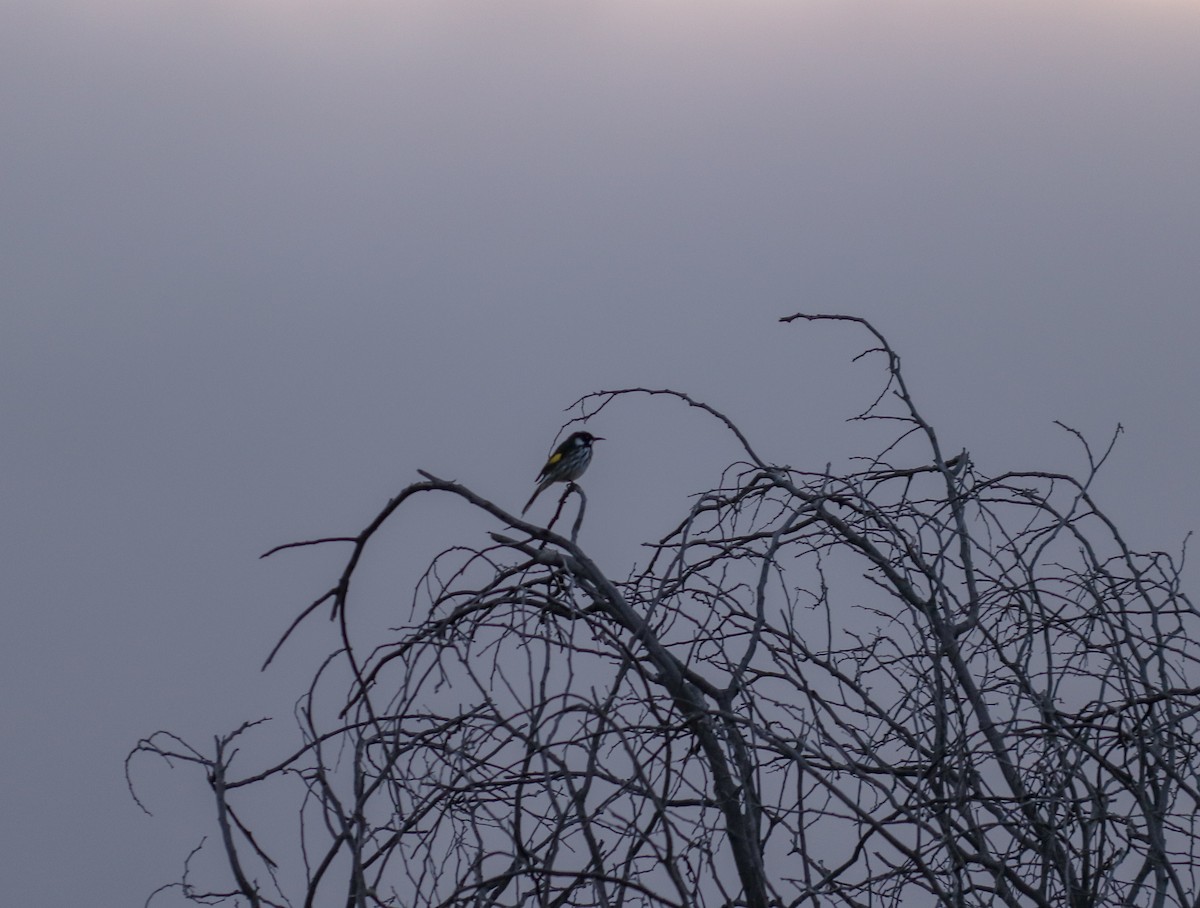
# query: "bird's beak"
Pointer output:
{"type": "Point", "coordinates": [598, 438]}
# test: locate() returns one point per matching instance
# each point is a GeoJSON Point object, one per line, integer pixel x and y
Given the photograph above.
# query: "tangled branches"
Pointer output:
{"type": "Point", "coordinates": [907, 683]}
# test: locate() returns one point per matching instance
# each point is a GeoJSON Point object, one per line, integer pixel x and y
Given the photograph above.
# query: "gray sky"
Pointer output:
{"type": "Point", "coordinates": [261, 259]}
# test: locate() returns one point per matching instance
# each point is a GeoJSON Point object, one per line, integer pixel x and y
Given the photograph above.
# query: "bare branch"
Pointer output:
{"type": "Point", "coordinates": [900, 683]}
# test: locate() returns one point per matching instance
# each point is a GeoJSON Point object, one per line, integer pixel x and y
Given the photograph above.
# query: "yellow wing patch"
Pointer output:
{"type": "Point", "coordinates": [554, 458]}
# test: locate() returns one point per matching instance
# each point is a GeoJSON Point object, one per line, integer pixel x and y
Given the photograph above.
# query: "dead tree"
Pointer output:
{"type": "Point", "coordinates": [903, 684]}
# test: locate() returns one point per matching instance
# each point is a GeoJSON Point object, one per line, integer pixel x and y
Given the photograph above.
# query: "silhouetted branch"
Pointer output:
{"type": "Point", "coordinates": [901, 683]}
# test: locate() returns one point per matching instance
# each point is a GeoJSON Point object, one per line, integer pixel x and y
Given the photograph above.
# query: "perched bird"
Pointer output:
{"type": "Point", "coordinates": [566, 464]}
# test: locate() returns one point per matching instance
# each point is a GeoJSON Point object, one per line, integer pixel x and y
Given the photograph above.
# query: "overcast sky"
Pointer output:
{"type": "Point", "coordinates": [263, 259]}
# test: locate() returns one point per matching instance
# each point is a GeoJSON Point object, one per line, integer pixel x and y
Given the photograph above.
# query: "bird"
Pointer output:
{"type": "Point", "coordinates": [566, 464]}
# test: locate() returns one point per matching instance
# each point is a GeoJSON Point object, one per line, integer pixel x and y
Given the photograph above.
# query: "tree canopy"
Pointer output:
{"type": "Point", "coordinates": [901, 683]}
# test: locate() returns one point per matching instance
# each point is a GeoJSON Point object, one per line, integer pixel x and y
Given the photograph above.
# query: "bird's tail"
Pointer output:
{"type": "Point", "coordinates": [536, 492]}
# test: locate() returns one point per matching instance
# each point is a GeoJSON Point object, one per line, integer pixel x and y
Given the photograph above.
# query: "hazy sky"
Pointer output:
{"type": "Point", "coordinates": [261, 259]}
